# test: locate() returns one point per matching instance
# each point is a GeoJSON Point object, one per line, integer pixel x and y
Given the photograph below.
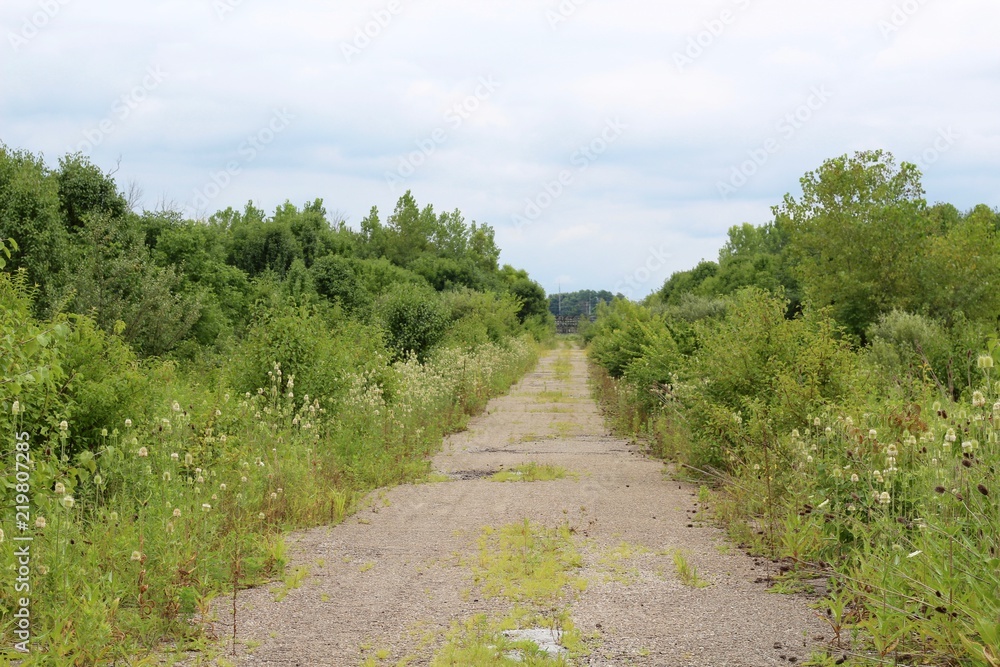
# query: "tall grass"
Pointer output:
{"type": "Point", "coordinates": [134, 540]}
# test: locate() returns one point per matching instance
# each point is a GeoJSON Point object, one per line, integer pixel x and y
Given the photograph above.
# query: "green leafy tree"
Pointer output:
{"type": "Point", "coordinates": [857, 236]}
{"type": "Point", "coordinates": [85, 190]}
{"type": "Point", "coordinates": [30, 215]}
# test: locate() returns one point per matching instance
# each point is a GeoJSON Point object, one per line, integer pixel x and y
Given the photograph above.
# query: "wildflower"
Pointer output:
{"type": "Point", "coordinates": [222, 438]}
{"type": "Point", "coordinates": [166, 477]}
{"type": "Point", "coordinates": [978, 400]}
{"type": "Point", "coordinates": [200, 480]}
{"type": "Point", "coordinates": [795, 432]}
{"type": "Point", "coordinates": [261, 516]}
{"type": "Point", "coordinates": [809, 459]}
{"type": "Point", "coordinates": [222, 487]}
{"type": "Point", "coordinates": [983, 490]}
{"type": "Point", "coordinates": [218, 413]}
{"type": "Point", "coordinates": [243, 479]}
{"type": "Point", "coordinates": [40, 522]}
{"type": "Point", "coordinates": [188, 460]}
{"type": "Point", "coordinates": [885, 498]}
{"type": "Point", "coordinates": [68, 502]}
{"type": "Point", "coordinates": [851, 508]}
{"type": "Point", "coordinates": [176, 407]}
{"type": "Point", "coordinates": [274, 496]}
{"type": "Point", "coordinates": [143, 452]}
{"type": "Point", "coordinates": [892, 450]}
{"type": "Point", "coordinates": [215, 496]}
{"type": "Point", "coordinates": [817, 423]}
{"type": "Point", "coordinates": [60, 488]}
{"type": "Point", "coordinates": [855, 478]}
{"type": "Point", "coordinates": [950, 436]}
{"type": "Point", "coordinates": [205, 507]}
{"type": "Point", "coordinates": [967, 446]}
{"type": "Point", "coordinates": [128, 423]}
{"type": "Point", "coordinates": [280, 490]}
{"type": "Point", "coordinates": [64, 426]}
{"type": "Point", "coordinates": [872, 434]}
{"type": "Point", "coordinates": [985, 361]}
{"type": "Point", "coordinates": [829, 431]}
{"type": "Point", "coordinates": [98, 480]}
{"type": "Point", "coordinates": [177, 513]}
{"type": "Point", "coordinates": [170, 527]}
{"type": "Point", "coordinates": [174, 456]}
{"type": "Point", "coordinates": [838, 473]}
{"type": "Point", "coordinates": [16, 408]}
{"type": "Point", "coordinates": [104, 432]}
{"type": "Point", "coordinates": [136, 555]}
{"type": "Point", "coordinates": [43, 570]}
{"type": "Point", "coordinates": [113, 516]}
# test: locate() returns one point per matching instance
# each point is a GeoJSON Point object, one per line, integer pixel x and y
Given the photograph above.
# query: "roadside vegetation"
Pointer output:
{"type": "Point", "coordinates": [182, 392]}
{"type": "Point", "coordinates": [835, 374]}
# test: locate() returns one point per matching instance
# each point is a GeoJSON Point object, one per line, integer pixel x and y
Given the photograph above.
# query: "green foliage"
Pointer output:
{"type": "Point", "coordinates": [911, 346]}
{"type": "Point", "coordinates": [116, 281]}
{"type": "Point", "coordinates": [85, 191]}
{"type": "Point", "coordinates": [856, 236]}
{"type": "Point", "coordinates": [478, 317]}
{"type": "Point", "coordinates": [307, 364]}
{"type": "Point", "coordinates": [878, 459]}
{"type": "Point", "coordinates": [335, 278]}
{"type": "Point", "coordinates": [414, 321]}
{"type": "Point", "coordinates": [30, 215]}
{"type": "Point", "coordinates": [582, 302]}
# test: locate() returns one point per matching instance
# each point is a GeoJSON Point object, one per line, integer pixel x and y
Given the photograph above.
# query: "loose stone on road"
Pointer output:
{"type": "Point", "coordinates": [392, 581]}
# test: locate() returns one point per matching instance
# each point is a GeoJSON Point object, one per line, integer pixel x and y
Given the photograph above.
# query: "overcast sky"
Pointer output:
{"type": "Point", "coordinates": [608, 143]}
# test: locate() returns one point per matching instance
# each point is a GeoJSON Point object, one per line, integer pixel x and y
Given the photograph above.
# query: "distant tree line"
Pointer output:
{"type": "Point", "coordinates": [175, 286]}
{"type": "Point", "coordinates": [582, 302]}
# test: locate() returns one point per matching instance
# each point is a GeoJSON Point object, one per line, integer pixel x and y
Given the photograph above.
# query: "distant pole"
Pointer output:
{"type": "Point", "coordinates": [560, 298]}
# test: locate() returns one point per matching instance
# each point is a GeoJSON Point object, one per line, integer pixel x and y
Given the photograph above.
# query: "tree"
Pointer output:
{"type": "Point", "coordinates": [856, 236]}
{"type": "Point", "coordinates": [30, 214]}
{"type": "Point", "coordinates": [85, 190]}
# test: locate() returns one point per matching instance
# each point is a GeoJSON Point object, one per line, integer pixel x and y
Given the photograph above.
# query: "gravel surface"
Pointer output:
{"type": "Point", "coordinates": [390, 577]}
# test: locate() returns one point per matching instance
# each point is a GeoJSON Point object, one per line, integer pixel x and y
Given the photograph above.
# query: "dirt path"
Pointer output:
{"type": "Point", "coordinates": [393, 578]}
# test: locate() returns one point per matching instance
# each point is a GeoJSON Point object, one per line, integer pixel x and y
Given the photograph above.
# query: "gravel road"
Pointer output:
{"type": "Point", "coordinates": [391, 579]}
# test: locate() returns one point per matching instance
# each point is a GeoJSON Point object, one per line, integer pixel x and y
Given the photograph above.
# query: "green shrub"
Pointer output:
{"type": "Point", "coordinates": [414, 320]}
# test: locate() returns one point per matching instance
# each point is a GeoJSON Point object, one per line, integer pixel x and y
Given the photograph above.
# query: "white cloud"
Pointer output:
{"type": "Point", "coordinates": [356, 118]}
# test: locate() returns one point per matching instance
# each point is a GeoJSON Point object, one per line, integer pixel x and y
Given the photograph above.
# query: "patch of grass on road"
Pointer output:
{"type": "Point", "coordinates": [532, 472]}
